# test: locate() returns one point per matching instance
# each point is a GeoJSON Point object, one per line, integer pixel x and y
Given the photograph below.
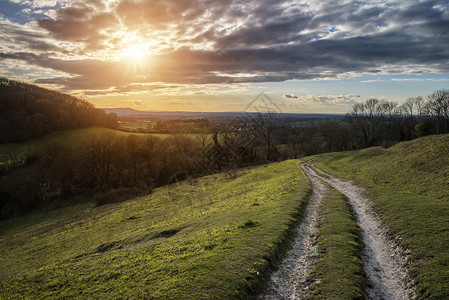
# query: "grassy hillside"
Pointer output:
{"type": "Point", "coordinates": [210, 238]}
{"type": "Point", "coordinates": [409, 184]}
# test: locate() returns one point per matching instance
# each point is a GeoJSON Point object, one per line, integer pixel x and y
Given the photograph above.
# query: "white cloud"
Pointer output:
{"type": "Point", "coordinates": [333, 100]}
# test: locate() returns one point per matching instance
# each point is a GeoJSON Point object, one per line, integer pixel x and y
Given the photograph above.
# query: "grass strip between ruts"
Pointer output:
{"type": "Point", "coordinates": [338, 272]}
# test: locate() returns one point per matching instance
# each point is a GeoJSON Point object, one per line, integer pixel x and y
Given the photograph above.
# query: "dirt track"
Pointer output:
{"type": "Point", "coordinates": [384, 262]}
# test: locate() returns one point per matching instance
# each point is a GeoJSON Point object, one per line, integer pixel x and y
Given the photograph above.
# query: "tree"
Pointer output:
{"type": "Point", "coordinates": [411, 110]}
{"type": "Point", "coordinates": [98, 155]}
{"type": "Point", "coordinates": [437, 106]}
{"type": "Point", "coordinates": [364, 118]}
{"type": "Point", "coordinates": [265, 125]}
{"type": "Point", "coordinates": [132, 158]}
{"type": "Point", "coordinates": [206, 152]}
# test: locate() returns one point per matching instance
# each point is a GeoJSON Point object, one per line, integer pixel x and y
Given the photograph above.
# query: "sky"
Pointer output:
{"type": "Point", "coordinates": [218, 55]}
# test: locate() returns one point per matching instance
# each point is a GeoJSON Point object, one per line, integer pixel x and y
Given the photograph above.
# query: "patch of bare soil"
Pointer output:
{"type": "Point", "coordinates": [385, 263]}
{"type": "Point", "coordinates": [289, 281]}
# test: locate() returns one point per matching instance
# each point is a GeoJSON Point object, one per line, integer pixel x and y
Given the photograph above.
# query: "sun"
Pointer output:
{"type": "Point", "coordinates": [137, 58]}
{"type": "Point", "coordinates": [135, 52]}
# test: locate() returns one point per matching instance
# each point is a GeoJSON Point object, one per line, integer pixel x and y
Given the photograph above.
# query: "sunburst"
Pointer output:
{"type": "Point", "coordinates": [137, 57]}
{"type": "Point", "coordinates": [135, 52]}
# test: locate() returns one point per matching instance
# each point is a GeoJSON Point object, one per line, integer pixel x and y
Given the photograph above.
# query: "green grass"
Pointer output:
{"type": "Point", "coordinates": [409, 184]}
{"type": "Point", "coordinates": [339, 270]}
{"type": "Point", "coordinates": [211, 238]}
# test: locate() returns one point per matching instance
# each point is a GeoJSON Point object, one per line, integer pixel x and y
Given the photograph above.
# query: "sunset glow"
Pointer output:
{"type": "Point", "coordinates": [219, 55]}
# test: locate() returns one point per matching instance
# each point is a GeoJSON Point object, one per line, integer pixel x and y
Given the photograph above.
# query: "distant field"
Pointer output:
{"type": "Point", "coordinates": [409, 184]}
{"type": "Point", "coordinates": [70, 138]}
{"type": "Point", "coordinates": [206, 239]}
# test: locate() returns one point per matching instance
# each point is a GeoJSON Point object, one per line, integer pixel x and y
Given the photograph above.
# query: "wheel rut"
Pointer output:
{"type": "Point", "coordinates": [289, 281]}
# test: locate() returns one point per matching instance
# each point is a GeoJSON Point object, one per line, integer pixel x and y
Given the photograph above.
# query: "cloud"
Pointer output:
{"type": "Point", "coordinates": [80, 23]}
{"type": "Point", "coordinates": [290, 96]}
{"type": "Point", "coordinates": [136, 13]}
{"type": "Point", "coordinates": [333, 100]}
{"type": "Point", "coordinates": [214, 41]}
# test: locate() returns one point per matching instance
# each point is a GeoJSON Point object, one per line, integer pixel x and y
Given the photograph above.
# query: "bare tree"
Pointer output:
{"type": "Point", "coordinates": [206, 152]}
{"type": "Point", "coordinates": [132, 157]}
{"type": "Point", "coordinates": [100, 154]}
{"type": "Point", "coordinates": [265, 124]}
{"type": "Point", "coordinates": [411, 110]}
{"type": "Point", "coordinates": [437, 106]}
{"type": "Point", "coordinates": [364, 117]}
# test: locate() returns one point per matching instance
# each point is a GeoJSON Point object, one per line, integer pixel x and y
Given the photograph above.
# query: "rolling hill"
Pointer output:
{"type": "Point", "coordinates": [210, 238]}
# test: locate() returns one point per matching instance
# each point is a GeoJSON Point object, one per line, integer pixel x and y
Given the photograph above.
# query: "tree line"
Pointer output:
{"type": "Point", "coordinates": [384, 123]}
{"type": "Point", "coordinates": [28, 111]}
{"type": "Point", "coordinates": [113, 168]}
{"type": "Point", "coordinates": [375, 122]}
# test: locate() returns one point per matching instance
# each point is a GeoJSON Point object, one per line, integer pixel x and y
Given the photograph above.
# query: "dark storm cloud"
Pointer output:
{"type": "Point", "coordinates": [82, 23]}
{"type": "Point", "coordinates": [278, 32]}
{"type": "Point", "coordinates": [244, 41]}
